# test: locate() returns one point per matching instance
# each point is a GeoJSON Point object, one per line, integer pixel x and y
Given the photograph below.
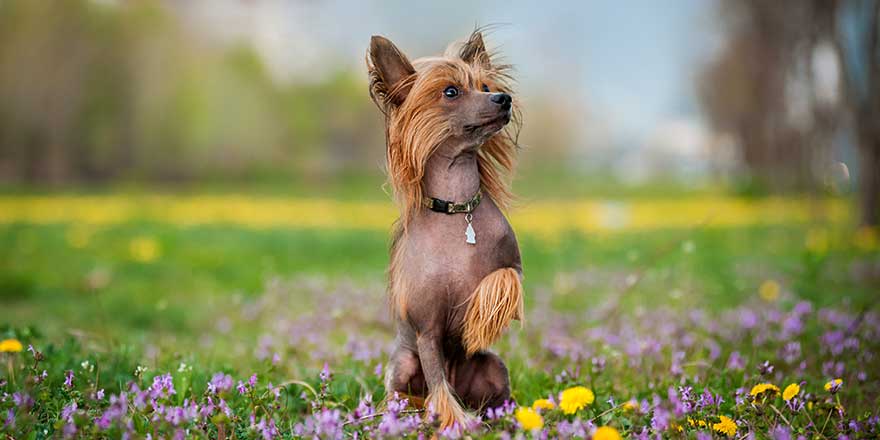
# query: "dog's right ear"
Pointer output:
{"type": "Point", "coordinates": [391, 74]}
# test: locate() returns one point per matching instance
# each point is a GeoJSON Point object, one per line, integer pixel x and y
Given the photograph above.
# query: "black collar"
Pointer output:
{"type": "Point", "coordinates": [446, 207]}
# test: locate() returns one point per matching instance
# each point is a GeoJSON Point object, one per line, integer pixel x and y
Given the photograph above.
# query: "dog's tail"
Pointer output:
{"type": "Point", "coordinates": [496, 301]}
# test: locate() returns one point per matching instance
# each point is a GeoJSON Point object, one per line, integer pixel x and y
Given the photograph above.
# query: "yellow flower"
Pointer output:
{"type": "Point", "coordinates": [769, 290]}
{"type": "Point", "coordinates": [761, 388]}
{"type": "Point", "coordinates": [144, 249]}
{"type": "Point", "coordinates": [867, 238]}
{"type": "Point", "coordinates": [529, 419]}
{"type": "Point", "coordinates": [817, 241]}
{"type": "Point", "coordinates": [606, 433]}
{"type": "Point", "coordinates": [791, 391]}
{"type": "Point", "coordinates": [78, 237]}
{"type": "Point", "coordinates": [575, 398]}
{"type": "Point", "coordinates": [836, 383]}
{"type": "Point", "coordinates": [630, 405]}
{"type": "Point", "coordinates": [543, 404]}
{"type": "Point", "coordinates": [10, 346]}
{"type": "Point", "coordinates": [726, 426]}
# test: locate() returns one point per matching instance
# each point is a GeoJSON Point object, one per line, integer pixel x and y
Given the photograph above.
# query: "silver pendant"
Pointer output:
{"type": "Point", "coordinates": [469, 234]}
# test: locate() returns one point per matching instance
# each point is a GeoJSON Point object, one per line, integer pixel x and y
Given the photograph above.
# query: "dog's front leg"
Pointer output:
{"type": "Point", "coordinates": [441, 396]}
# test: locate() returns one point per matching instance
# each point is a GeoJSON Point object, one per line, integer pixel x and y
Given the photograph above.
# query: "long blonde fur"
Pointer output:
{"type": "Point", "coordinates": [496, 301]}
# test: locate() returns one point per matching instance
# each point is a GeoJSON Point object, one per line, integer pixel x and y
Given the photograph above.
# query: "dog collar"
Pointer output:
{"type": "Point", "coordinates": [447, 207]}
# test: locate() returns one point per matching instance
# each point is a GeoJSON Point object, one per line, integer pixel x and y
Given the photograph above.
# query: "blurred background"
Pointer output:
{"type": "Point", "coordinates": [754, 96]}
{"type": "Point", "coordinates": [169, 153]}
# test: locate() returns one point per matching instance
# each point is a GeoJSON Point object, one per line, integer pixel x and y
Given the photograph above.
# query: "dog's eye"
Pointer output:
{"type": "Point", "coordinates": [451, 92]}
{"type": "Point", "coordinates": [485, 88]}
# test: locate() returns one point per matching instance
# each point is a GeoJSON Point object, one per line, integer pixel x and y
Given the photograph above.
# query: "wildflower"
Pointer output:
{"type": "Point", "coordinates": [726, 426]}
{"type": "Point", "coordinates": [543, 404]}
{"type": "Point", "coordinates": [606, 433]}
{"type": "Point", "coordinates": [791, 391]}
{"type": "Point", "coordinates": [575, 398]}
{"type": "Point", "coordinates": [817, 241]}
{"type": "Point", "coordinates": [762, 388]}
{"type": "Point", "coordinates": [68, 379]}
{"type": "Point", "coordinates": [630, 405]}
{"type": "Point", "coordinates": [833, 386]}
{"type": "Point", "coordinates": [10, 346]}
{"type": "Point", "coordinates": [144, 249]}
{"type": "Point", "coordinates": [769, 290]}
{"type": "Point", "coordinates": [529, 419]}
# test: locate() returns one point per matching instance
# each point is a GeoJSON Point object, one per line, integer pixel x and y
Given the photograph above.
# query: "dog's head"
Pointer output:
{"type": "Point", "coordinates": [463, 97]}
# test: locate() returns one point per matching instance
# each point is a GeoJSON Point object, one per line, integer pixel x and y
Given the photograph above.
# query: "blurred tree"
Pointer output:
{"type": "Point", "coordinates": [92, 91]}
{"type": "Point", "coordinates": [784, 83]}
{"type": "Point", "coordinates": [857, 40]}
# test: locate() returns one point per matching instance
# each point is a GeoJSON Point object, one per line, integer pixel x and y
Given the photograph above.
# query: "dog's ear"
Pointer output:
{"type": "Point", "coordinates": [473, 51]}
{"type": "Point", "coordinates": [390, 72]}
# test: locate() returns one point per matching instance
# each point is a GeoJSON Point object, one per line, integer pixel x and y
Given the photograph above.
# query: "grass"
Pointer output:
{"type": "Point", "coordinates": [230, 297]}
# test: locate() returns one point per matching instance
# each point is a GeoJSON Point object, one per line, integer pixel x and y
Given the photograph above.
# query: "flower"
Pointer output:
{"type": "Point", "coordinates": [791, 391]}
{"type": "Point", "coordinates": [606, 433]}
{"type": "Point", "coordinates": [10, 346]}
{"type": "Point", "coordinates": [575, 398]}
{"type": "Point", "coordinates": [144, 249]}
{"type": "Point", "coordinates": [630, 405]}
{"type": "Point", "coordinates": [761, 388]}
{"type": "Point", "coordinates": [726, 426]}
{"type": "Point", "coordinates": [543, 404]}
{"type": "Point", "coordinates": [529, 419]}
{"type": "Point", "coordinates": [834, 385]}
{"type": "Point", "coordinates": [769, 290]}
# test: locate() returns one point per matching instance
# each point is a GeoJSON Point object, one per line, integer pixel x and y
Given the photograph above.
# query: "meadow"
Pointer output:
{"type": "Point", "coordinates": [218, 314]}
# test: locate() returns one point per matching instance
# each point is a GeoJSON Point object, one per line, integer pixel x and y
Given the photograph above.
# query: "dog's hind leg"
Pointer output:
{"type": "Point", "coordinates": [441, 396]}
{"type": "Point", "coordinates": [482, 381]}
{"type": "Point", "coordinates": [496, 301]}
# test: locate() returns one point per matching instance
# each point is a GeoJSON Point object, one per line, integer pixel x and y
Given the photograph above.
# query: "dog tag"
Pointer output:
{"type": "Point", "coordinates": [470, 237]}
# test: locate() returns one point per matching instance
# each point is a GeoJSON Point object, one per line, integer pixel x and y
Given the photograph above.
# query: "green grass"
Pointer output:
{"type": "Point", "coordinates": [216, 294]}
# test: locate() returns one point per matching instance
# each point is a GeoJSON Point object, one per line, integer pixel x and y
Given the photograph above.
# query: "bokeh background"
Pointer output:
{"type": "Point", "coordinates": [164, 163]}
{"type": "Point", "coordinates": [196, 189]}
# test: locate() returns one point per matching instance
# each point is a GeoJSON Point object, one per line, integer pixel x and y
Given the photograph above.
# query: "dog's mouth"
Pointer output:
{"type": "Point", "coordinates": [491, 125]}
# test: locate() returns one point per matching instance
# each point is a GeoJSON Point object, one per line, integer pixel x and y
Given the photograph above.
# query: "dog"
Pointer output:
{"type": "Point", "coordinates": [455, 275]}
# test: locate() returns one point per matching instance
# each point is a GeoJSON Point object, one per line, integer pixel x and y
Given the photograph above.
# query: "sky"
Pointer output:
{"type": "Point", "coordinates": [630, 64]}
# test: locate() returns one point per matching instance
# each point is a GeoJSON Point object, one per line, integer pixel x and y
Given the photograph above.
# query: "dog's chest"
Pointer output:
{"type": "Point", "coordinates": [438, 247]}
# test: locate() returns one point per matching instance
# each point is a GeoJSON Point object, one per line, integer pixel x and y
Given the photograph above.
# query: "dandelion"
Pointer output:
{"type": "Point", "coordinates": [529, 419]}
{"type": "Point", "coordinates": [762, 388]}
{"type": "Point", "coordinates": [791, 391]}
{"type": "Point", "coordinates": [144, 249]}
{"type": "Point", "coordinates": [606, 433]}
{"type": "Point", "coordinates": [575, 398]}
{"type": "Point", "coordinates": [78, 237]}
{"type": "Point", "coordinates": [726, 426]}
{"type": "Point", "coordinates": [769, 290]}
{"type": "Point", "coordinates": [543, 404]}
{"type": "Point", "coordinates": [10, 346]}
{"type": "Point", "coordinates": [833, 386]}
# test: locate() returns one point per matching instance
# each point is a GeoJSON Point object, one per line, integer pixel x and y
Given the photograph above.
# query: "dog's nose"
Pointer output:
{"type": "Point", "coordinates": [502, 99]}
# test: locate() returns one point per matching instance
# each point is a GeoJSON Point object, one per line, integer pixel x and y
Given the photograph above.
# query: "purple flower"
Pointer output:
{"type": "Point", "coordinates": [780, 433]}
{"type": "Point", "coordinates": [162, 387]}
{"type": "Point", "coordinates": [765, 369]}
{"type": "Point", "coordinates": [242, 388]}
{"type": "Point", "coordinates": [219, 383]}
{"type": "Point", "coordinates": [68, 379]}
{"type": "Point", "coordinates": [117, 409]}
{"type": "Point", "coordinates": [735, 362]}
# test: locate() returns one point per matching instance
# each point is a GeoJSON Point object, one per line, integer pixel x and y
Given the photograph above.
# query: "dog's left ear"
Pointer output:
{"type": "Point", "coordinates": [473, 51]}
